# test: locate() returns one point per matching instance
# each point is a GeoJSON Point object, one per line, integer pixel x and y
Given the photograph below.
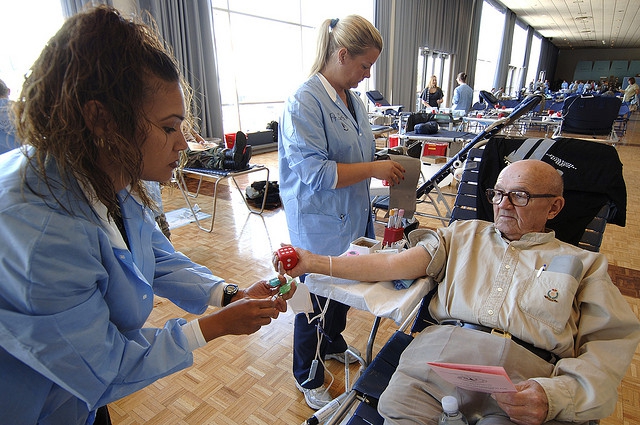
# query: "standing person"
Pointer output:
{"type": "Point", "coordinates": [462, 95]}
{"type": "Point", "coordinates": [326, 151]}
{"type": "Point", "coordinates": [432, 95]}
{"type": "Point", "coordinates": [78, 280]}
{"type": "Point", "coordinates": [7, 137]}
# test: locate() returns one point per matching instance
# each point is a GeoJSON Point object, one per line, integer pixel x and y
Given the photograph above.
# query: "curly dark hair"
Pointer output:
{"type": "Point", "coordinates": [97, 55]}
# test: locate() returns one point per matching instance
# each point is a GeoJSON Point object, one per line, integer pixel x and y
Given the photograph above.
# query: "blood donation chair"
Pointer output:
{"type": "Point", "coordinates": [595, 195]}
{"type": "Point", "coordinates": [589, 116]}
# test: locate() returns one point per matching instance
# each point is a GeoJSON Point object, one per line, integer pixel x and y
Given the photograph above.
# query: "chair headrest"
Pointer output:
{"type": "Point", "coordinates": [375, 95]}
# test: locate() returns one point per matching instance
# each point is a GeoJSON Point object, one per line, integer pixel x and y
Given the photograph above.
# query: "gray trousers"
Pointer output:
{"type": "Point", "coordinates": [415, 390]}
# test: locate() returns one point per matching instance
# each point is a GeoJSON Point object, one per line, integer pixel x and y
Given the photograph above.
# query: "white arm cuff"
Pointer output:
{"type": "Point", "coordinates": [194, 334]}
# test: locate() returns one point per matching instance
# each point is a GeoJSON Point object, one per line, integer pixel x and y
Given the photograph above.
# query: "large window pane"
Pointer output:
{"type": "Point", "coordinates": [534, 59]}
{"type": "Point", "coordinates": [22, 43]}
{"type": "Point", "coordinates": [265, 50]}
{"type": "Point", "coordinates": [489, 42]}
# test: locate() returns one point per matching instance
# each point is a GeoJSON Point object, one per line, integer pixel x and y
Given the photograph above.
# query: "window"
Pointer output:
{"type": "Point", "coordinates": [432, 63]}
{"type": "Point", "coordinates": [489, 42]}
{"type": "Point", "coordinates": [265, 51]}
{"type": "Point", "coordinates": [516, 64]}
{"type": "Point", "coordinates": [534, 59]}
{"type": "Point", "coordinates": [20, 45]}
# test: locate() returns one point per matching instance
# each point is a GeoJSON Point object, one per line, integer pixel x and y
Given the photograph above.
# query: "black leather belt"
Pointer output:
{"type": "Point", "coordinates": [543, 354]}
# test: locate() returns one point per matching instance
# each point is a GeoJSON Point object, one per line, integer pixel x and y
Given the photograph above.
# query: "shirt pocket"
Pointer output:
{"type": "Point", "coordinates": [548, 298]}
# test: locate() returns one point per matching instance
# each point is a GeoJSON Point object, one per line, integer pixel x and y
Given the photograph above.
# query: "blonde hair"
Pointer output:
{"type": "Point", "coordinates": [354, 33]}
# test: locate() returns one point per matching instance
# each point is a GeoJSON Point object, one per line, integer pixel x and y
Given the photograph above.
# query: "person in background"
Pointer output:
{"type": "Point", "coordinates": [508, 294]}
{"type": "Point", "coordinates": [462, 95]}
{"type": "Point", "coordinates": [7, 132]}
{"type": "Point", "coordinates": [78, 280]}
{"type": "Point", "coordinates": [326, 160]}
{"type": "Point", "coordinates": [632, 90]}
{"type": "Point", "coordinates": [432, 96]}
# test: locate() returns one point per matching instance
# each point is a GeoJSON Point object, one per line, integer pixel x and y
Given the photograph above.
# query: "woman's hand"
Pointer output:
{"type": "Point", "coordinates": [242, 317]}
{"type": "Point", "coordinates": [262, 290]}
{"type": "Point", "coordinates": [388, 170]}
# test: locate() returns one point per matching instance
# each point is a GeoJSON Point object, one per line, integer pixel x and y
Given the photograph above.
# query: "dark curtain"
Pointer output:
{"type": "Point", "coordinates": [448, 26]}
{"type": "Point", "coordinates": [500, 78]}
{"type": "Point", "coordinates": [186, 26]}
{"type": "Point", "coordinates": [548, 59]}
{"type": "Point", "coordinates": [527, 53]}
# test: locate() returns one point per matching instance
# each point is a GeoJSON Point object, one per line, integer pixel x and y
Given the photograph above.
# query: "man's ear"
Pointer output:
{"type": "Point", "coordinates": [96, 118]}
{"type": "Point", "coordinates": [556, 207]}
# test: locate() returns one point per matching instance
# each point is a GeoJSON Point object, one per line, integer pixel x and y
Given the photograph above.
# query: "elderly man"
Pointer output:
{"type": "Point", "coordinates": [573, 334]}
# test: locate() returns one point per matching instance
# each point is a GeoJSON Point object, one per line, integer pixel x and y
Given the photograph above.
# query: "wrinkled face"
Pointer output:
{"type": "Point", "coordinates": [162, 145]}
{"type": "Point", "coordinates": [512, 221]}
{"type": "Point", "coordinates": [357, 68]}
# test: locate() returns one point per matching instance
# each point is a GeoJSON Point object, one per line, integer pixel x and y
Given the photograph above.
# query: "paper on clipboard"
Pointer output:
{"type": "Point", "coordinates": [486, 379]}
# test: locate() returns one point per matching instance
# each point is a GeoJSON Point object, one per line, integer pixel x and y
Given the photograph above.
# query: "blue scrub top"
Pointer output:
{"type": "Point", "coordinates": [74, 300]}
{"type": "Point", "coordinates": [462, 98]}
{"type": "Point", "coordinates": [316, 132]}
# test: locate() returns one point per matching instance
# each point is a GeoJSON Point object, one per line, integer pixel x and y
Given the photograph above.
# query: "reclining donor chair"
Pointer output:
{"type": "Point", "coordinates": [595, 195]}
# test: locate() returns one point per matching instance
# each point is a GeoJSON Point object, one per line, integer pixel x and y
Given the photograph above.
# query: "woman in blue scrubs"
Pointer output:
{"type": "Point", "coordinates": [326, 151]}
{"type": "Point", "coordinates": [82, 256]}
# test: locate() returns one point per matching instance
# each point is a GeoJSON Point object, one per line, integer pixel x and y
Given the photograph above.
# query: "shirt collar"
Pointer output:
{"type": "Point", "coordinates": [107, 224]}
{"type": "Point", "coordinates": [532, 238]}
{"type": "Point", "coordinates": [333, 94]}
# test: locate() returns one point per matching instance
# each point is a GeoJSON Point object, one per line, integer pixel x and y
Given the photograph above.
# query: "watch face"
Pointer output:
{"type": "Point", "coordinates": [231, 289]}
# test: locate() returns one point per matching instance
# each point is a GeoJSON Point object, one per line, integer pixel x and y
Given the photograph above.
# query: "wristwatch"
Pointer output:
{"type": "Point", "coordinates": [229, 291]}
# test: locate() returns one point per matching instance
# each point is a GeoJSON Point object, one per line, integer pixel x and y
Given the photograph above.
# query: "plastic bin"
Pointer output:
{"type": "Point", "coordinates": [394, 140]}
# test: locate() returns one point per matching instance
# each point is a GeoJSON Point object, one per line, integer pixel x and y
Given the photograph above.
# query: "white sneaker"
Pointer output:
{"type": "Point", "coordinates": [341, 356]}
{"type": "Point", "coordinates": [316, 398]}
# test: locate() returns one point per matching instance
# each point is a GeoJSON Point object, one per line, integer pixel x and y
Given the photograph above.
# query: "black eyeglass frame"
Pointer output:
{"type": "Point", "coordinates": [491, 193]}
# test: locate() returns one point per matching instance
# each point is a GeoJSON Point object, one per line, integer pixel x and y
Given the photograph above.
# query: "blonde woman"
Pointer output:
{"type": "Point", "coordinates": [432, 96]}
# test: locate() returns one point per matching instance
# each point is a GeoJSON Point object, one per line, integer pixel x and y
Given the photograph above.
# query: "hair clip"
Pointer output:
{"type": "Point", "coordinates": [333, 23]}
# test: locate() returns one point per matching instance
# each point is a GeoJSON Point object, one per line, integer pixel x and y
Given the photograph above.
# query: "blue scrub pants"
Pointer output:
{"type": "Point", "coordinates": [305, 339]}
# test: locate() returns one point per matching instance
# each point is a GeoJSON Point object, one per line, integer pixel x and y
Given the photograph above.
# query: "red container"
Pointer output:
{"type": "Point", "coordinates": [435, 149]}
{"type": "Point", "coordinates": [230, 140]}
{"type": "Point", "coordinates": [394, 140]}
{"type": "Point", "coordinates": [392, 234]}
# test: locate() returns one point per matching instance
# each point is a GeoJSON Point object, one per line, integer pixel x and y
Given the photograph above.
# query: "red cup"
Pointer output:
{"type": "Point", "coordinates": [230, 140]}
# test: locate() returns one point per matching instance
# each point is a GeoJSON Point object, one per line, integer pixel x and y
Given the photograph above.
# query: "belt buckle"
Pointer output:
{"type": "Point", "coordinates": [500, 333]}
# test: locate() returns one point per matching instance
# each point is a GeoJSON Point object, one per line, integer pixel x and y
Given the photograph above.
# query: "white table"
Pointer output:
{"type": "Point", "coordinates": [379, 298]}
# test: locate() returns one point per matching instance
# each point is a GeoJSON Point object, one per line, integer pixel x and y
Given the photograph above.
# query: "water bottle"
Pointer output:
{"type": "Point", "coordinates": [450, 413]}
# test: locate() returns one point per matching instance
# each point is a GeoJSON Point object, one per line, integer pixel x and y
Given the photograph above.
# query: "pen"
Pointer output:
{"type": "Point", "coordinates": [544, 266]}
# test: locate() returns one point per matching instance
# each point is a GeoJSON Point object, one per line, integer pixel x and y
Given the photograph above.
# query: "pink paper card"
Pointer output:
{"type": "Point", "coordinates": [486, 379]}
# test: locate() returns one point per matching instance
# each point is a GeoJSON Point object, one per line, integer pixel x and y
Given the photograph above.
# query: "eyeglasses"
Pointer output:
{"type": "Point", "coordinates": [518, 198]}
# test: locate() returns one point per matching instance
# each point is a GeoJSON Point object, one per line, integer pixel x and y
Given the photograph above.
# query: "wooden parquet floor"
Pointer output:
{"type": "Point", "coordinates": [248, 379]}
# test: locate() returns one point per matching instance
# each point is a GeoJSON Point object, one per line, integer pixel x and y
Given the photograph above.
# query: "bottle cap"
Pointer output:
{"type": "Point", "coordinates": [449, 404]}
